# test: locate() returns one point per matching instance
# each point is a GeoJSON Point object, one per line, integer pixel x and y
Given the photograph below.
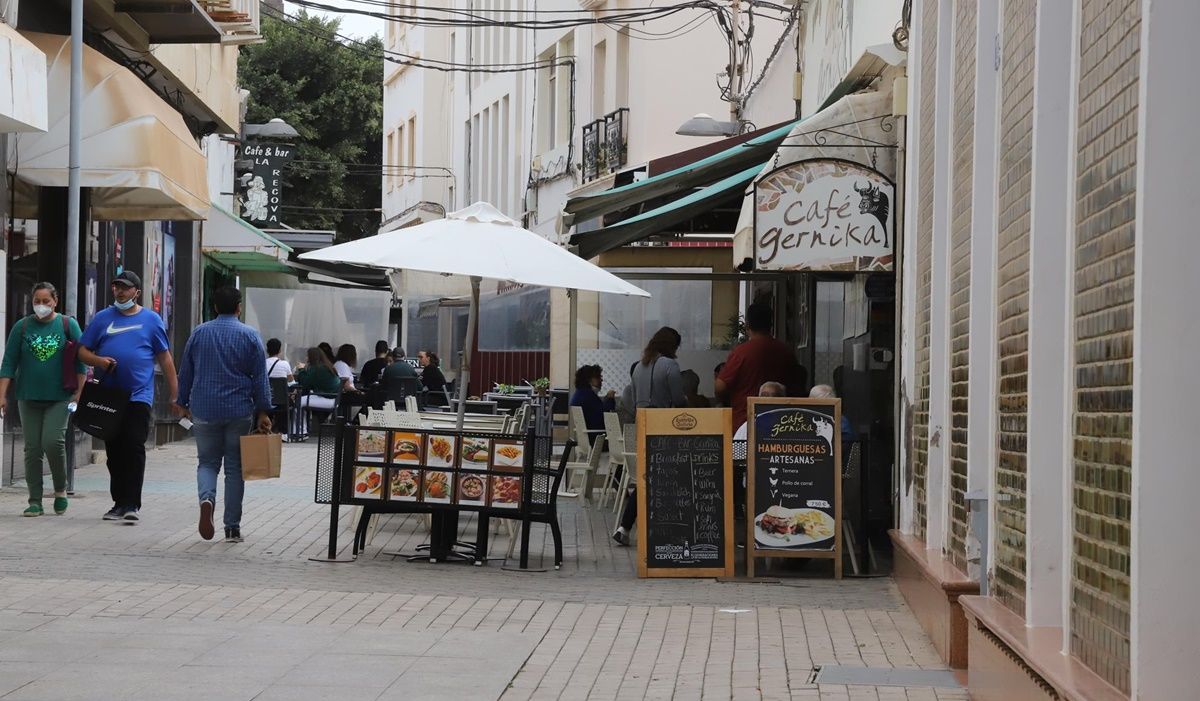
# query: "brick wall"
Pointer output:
{"type": "Point", "coordinates": [924, 236]}
{"type": "Point", "coordinates": [1106, 160]}
{"type": "Point", "coordinates": [1012, 313]}
{"type": "Point", "coordinates": [961, 183]}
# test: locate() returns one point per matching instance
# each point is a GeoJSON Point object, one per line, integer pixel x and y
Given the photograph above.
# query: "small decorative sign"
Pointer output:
{"type": "Point", "coordinates": [264, 182]}
{"type": "Point", "coordinates": [824, 214]}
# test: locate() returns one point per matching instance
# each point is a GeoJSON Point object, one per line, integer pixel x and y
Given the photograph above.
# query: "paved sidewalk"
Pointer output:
{"type": "Point", "coordinates": [97, 610]}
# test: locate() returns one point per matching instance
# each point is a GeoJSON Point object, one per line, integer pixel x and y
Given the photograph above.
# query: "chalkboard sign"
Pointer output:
{"type": "Point", "coordinates": [794, 480]}
{"type": "Point", "coordinates": [685, 490]}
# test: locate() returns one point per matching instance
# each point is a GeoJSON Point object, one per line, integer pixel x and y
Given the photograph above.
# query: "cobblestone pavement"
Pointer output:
{"type": "Point", "coordinates": [97, 610]}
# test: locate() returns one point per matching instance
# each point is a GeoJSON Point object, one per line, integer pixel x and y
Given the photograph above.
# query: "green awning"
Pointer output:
{"type": "Point", "coordinates": [248, 261]}
{"type": "Point", "coordinates": [703, 172]}
{"type": "Point", "coordinates": [593, 243]}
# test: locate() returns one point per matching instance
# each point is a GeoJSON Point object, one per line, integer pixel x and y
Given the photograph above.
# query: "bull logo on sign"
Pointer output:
{"type": "Point", "coordinates": [873, 202]}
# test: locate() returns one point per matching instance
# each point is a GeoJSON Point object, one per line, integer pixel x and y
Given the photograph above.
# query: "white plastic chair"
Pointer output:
{"type": "Point", "coordinates": [616, 455]}
{"type": "Point", "coordinates": [629, 438]}
{"type": "Point", "coordinates": [589, 467]}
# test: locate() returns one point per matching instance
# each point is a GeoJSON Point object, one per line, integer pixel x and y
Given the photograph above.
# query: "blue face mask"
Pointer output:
{"type": "Point", "coordinates": [125, 305]}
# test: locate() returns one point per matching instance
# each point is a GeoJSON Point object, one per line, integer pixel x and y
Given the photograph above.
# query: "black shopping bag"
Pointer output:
{"type": "Point", "coordinates": [101, 410]}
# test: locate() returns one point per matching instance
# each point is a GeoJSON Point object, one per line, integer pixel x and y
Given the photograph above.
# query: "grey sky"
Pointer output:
{"type": "Point", "coordinates": [357, 26]}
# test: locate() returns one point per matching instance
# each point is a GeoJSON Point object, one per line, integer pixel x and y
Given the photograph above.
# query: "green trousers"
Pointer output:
{"type": "Point", "coordinates": [45, 428]}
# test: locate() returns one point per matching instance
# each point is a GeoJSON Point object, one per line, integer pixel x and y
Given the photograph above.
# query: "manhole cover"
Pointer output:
{"type": "Point", "coordinates": [886, 676]}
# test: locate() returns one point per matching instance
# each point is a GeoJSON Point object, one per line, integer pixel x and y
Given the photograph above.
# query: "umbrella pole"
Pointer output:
{"type": "Point", "coordinates": [468, 349]}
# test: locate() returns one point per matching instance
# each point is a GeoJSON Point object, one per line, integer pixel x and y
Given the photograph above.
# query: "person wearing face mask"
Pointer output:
{"type": "Point", "coordinates": [124, 342]}
{"type": "Point", "coordinates": [33, 359]}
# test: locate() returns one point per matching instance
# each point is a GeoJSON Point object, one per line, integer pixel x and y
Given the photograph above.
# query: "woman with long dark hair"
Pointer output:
{"type": "Point", "coordinates": [431, 371]}
{"type": "Point", "coordinates": [344, 364]}
{"type": "Point", "coordinates": [655, 382]}
{"type": "Point", "coordinates": [319, 383]}
{"type": "Point", "coordinates": [588, 380]}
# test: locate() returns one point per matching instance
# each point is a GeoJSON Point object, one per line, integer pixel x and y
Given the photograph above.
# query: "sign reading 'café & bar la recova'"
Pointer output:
{"type": "Point", "coordinates": [824, 214]}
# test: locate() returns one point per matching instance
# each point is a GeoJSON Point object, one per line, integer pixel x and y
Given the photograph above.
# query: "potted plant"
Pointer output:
{"type": "Point", "coordinates": [541, 386]}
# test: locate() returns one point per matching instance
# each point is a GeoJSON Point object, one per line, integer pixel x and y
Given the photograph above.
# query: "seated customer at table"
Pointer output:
{"type": "Point", "coordinates": [586, 397]}
{"type": "Point", "coordinates": [319, 384]}
{"type": "Point", "coordinates": [277, 365]}
{"type": "Point", "coordinates": [768, 389]}
{"type": "Point", "coordinates": [347, 358]}
{"type": "Point", "coordinates": [372, 370]}
{"type": "Point", "coordinates": [399, 369]}
{"type": "Point", "coordinates": [826, 392]}
{"type": "Point", "coordinates": [431, 371]}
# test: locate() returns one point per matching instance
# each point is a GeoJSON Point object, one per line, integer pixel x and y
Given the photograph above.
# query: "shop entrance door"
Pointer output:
{"type": "Point", "coordinates": [846, 340]}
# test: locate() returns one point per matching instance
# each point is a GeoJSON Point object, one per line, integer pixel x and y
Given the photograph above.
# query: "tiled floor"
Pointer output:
{"type": "Point", "coordinates": [83, 601]}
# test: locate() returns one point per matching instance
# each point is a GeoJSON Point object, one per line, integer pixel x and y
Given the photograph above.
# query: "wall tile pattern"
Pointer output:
{"type": "Point", "coordinates": [1105, 195]}
{"type": "Point", "coordinates": [924, 234]}
{"type": "Point", "coordinates": [1012, 313]}
{"type": "Point", "coordinates": [961, 183]}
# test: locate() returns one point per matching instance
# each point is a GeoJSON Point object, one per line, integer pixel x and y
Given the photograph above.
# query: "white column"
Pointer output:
{"type": "Point", "coordinates": [908, 281]}
{"type": "Point", "coordinates": [1051, 240]}
{"type": "Point", "coordinates": [939, 317]}
{"type": "Point", "coordinates": [1166, 559]}
{"type": "Point", "coordinates": [982, 381]}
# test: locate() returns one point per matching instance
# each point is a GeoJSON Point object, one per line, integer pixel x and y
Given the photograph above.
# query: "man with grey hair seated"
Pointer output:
{"type": "Point", "coordinates": [826, 392]}
{"type": "Point", "coordinates": [768, 389]}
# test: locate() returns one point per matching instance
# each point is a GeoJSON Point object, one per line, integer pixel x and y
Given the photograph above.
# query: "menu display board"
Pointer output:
{"type": "Point", "coordinates": [794, 480]}
{"type": "Point", "coordinates": [436, 468]}
{"type": "Point", "coordinates": [685, 493]}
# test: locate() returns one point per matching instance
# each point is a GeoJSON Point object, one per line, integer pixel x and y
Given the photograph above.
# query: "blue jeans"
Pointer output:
{"type": "Point", "coordinates": [218, 441]}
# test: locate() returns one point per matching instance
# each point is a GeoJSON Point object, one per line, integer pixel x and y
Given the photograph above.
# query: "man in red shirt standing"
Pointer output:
{"type": "Point", "coordinates": [762, 358]}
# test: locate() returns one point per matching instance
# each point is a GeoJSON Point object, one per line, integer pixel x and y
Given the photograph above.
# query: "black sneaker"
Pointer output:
{"type": "Point", "coordinates": [621, 538]}
{"type": "Point", "coordinates": [131, 515]}
{"type": "Point", "coordinates": [114, 514]}
{"type": "Point", "coordinates": [233, 535]}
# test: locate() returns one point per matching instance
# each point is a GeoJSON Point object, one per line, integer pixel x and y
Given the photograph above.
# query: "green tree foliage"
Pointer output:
{"type": "Point", "coordinates": [332, 93]}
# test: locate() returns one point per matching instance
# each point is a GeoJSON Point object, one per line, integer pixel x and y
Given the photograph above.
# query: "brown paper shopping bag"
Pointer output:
{"type": "Point", "coordinates": [262, 454]}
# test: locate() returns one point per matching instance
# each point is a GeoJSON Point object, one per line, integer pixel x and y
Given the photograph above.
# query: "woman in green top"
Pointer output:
{"type": "Point", "coordinates": [320, 383]}
{"type": "Point", "coordinates": [33, 358]}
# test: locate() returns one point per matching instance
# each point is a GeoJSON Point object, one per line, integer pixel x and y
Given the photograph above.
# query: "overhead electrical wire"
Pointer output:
{"type": "Point", "coordinates": [403, 59]}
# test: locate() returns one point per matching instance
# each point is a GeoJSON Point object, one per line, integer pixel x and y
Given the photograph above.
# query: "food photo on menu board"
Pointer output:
{"type": "Point", "coordinates": [506, 492]}
{"type": "Point", "coordinates": [372, 446]}
{"type": "Point", "coordinates": [795, 477]}
{"type": "Point", "coordinates": [437, 486]}
{"type": "Point", "coordinates": [472, 489]}
{"type": "Point", "coordinates": [475, 453]}
{"type": "Point", "coordinates": [440, 451]}
{"type": "Point", "coordinates": [406, 485]}
{"type": "Point", "coordinates": [406, 448]}
{"type": "Point", "coordinates": [509, 454]}
{"type": "Point", "coordinates": [368, 482]}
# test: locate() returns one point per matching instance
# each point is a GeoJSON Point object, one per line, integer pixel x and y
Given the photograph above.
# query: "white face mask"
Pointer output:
{"type": "Point", "coordinates": [42, 310]}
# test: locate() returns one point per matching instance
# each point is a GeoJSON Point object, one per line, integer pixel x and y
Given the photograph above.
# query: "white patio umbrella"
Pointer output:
{"type": "Point", "coordinates": [476, 242]}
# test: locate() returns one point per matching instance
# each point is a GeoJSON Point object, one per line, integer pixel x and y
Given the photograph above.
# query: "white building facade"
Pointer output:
{"type": "Point", "coordinates": [1046, 457]}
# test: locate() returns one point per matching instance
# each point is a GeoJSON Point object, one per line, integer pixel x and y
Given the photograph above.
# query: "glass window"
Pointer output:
{"type": "Point", "coordinates": [515, 318]}
{"type": "Point", "coordinates": [685, 305]}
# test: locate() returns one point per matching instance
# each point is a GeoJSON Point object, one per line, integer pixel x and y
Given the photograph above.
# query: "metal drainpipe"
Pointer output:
{"type": "Point", "coordinates": [898, 410]}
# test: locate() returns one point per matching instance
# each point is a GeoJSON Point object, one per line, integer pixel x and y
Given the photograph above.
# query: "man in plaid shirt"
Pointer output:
{"type": "Point", "coordinates": [222, 384]}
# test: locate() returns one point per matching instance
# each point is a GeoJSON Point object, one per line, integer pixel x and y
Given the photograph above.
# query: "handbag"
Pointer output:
{"type": "Point", "coordinates": [70, 358]}
{"type": "Point", "coordinates": [101, 410]}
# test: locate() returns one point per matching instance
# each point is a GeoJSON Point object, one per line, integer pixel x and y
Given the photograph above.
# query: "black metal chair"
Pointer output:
{"type": "Point", "coordinates": [397, 389]}
{"type": "Point", "coordinates": [542, 507]}
{"type": "Point", "coordinates": [310, 414]}
{"type": "Point", "coordinates": [280, 404]}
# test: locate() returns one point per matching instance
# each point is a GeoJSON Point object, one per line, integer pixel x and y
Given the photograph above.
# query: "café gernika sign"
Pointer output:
{"type": "Point", "coordinates": [824, 214]}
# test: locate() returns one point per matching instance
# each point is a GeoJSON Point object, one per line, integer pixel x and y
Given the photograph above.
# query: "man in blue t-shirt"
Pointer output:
{"type": "Point", "coordinates": [123, 343]}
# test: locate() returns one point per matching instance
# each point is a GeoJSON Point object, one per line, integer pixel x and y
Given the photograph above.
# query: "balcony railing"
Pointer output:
{"type": "Point", "coordinates": [604, 144]}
